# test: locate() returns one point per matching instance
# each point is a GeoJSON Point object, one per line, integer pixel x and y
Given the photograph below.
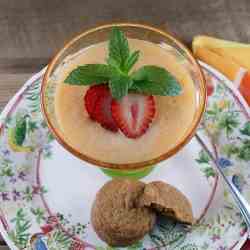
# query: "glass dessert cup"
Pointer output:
{"type": "Point", "coordinates": [97, 35]}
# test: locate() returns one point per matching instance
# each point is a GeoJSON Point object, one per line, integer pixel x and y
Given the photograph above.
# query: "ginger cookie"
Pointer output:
{"type": "Point", "coordinates": [116, 215]}
{"type": "Point", "coordinates": [168, 201]}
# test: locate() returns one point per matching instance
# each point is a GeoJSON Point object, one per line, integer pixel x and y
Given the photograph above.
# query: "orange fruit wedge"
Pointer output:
{"type": "Point", "coordinates": [230, 58]}
{"type": "Point", "coordinates": [232, 54]}
{"type": "Point", "coordinates": [245, 87]}
{"type": "Point", "coordinates": [227, 67]}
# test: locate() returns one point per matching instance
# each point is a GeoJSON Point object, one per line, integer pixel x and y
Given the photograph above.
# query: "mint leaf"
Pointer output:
{"type": "Point", "coordinates": [131, 60]}
{"type": "Point", "coordinates": [112, 62]}
{"type": "Point", "coordinates": [149, 88]}
{"type": "Point", "coordinates": [118, 48]}
{"type": "Point", "coordinates": [89, 74]}
{"type": "Point", "coordinates": [154, 80]}
{"type": "Point", "coordinates": [119, 84]}
{"type": "Point", "coordinates": [150, 79]}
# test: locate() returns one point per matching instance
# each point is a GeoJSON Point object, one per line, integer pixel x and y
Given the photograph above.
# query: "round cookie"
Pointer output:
{"type": "Point", "coordinates": [167, 200]}
{"type": "Point", "coordinates": [115, 214]}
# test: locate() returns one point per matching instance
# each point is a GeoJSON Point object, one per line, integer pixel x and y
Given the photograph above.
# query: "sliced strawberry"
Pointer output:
{"type": "Point", "coordinates": [245, 87]}
{"type": "Point", "coordinates": [133, 114]}
{"type": "Point", "coordinates": [91, 97]}
{"type": "Point", "coordinates": [102, 111]}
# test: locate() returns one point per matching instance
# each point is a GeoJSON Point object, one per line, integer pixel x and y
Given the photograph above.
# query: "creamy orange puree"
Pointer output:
{"type": "Point", "coordinates": [173, 118]}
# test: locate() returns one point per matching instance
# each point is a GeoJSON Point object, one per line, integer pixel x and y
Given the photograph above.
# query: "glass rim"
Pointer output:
{"type": "Point", "coordinates": [137, 165]}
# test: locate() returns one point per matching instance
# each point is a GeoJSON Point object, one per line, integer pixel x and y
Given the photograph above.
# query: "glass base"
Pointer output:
{"type": "Point", "coordinates": [131, 174]}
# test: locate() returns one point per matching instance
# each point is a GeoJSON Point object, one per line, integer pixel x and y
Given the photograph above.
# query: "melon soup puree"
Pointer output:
{"type": "Point", "coordinates": [174, 115]}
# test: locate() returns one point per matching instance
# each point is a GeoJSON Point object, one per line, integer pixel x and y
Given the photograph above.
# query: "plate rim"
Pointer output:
{"type": "Point", "coordinates": [36, 76]}
{"type": "Point", "coordinates": [4, 112]}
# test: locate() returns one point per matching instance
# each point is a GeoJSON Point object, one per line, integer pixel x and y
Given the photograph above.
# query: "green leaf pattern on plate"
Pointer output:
{"type": "Point", "coordinates": [19, 190]}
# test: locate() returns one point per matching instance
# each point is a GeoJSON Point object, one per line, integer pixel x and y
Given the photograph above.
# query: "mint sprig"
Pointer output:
{"type": "Point", "coordinates": [119, 85]}
{"type": "Point", "coordinates": [149, 79]}
{"type": "Point", "coordinates": [89, 74]}
{"type": "Point", "coordinates": [131, 60]}
{"type": "Point", "coordinates": [154, 80]}
{"type": "Point", "coordinates": [118, 49]}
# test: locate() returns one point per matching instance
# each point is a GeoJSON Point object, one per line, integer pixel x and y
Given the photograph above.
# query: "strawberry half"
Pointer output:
{"type": "Point", "coordinates": [91, 97]}
{"type": "Point", "coordinates": [133, 114]}
{"type": "Point", "coordinates": [102, 111]}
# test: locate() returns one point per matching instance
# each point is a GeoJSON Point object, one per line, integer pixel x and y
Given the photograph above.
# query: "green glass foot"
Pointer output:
{"type": "Point", "coordinates": [132, 174]}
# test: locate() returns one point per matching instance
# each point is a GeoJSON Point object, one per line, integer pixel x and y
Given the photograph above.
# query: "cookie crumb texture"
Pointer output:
{"type": "Point", "coordinates": [116, 216]}
{"type": "Point", "coordinates": [168, 201]}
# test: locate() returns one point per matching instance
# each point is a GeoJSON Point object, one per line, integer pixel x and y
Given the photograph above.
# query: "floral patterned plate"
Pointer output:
{"type": "Point", "coordinates": [46, 193]}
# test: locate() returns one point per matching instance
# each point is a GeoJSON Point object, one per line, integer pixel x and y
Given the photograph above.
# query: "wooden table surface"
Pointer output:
{"type": "Point", "coordinates": [32, 31]}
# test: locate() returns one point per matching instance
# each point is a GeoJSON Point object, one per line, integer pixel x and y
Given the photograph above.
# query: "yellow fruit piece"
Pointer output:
{"type": "Point", "coordinates": [226, 67]}
{"type": "Point", "coordinates": [229, 56]}
{"type": "Point", "coordinates": [13, 145]}
{"type": "Point", "coordinates": [211, 42]}
{"type": "Point", "coordinates": [238, 55]}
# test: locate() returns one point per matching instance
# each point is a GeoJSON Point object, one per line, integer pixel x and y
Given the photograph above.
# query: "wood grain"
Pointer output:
{"type": "Point", "coordinates": [9, 84]}
{"type": "Point", "coordinates": [32, 31]}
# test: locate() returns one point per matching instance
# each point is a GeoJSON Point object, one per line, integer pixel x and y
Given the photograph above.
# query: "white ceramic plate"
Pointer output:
{"type": "Point", "coordinates": [46, 193]}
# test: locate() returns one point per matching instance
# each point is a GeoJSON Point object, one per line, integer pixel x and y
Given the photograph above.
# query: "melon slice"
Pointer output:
{"type": "Point", "coordinates": [227, 67]}
{"type": "Point", "coordinates": [239, 53]}
{"type": "Point", "coordinates": [230, 58]}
